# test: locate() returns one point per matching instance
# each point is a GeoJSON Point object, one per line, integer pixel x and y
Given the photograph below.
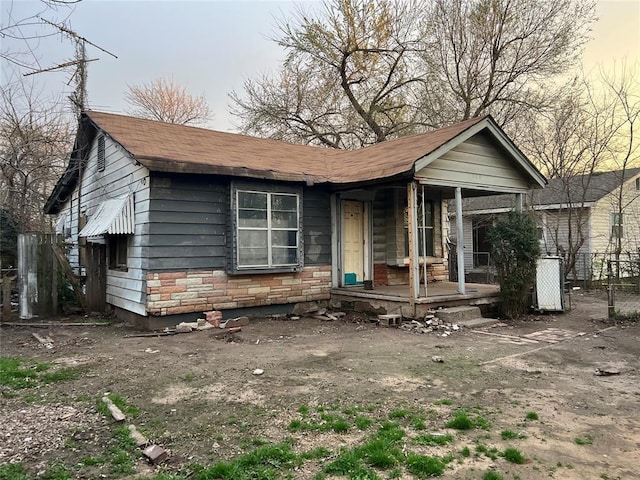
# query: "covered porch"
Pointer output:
{"type": "Point", "coordinates": [391, 239]}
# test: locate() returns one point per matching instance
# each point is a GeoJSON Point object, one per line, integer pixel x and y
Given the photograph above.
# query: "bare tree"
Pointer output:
{"type": "Point", "coordinates": [363, 71]}
{"type": "Point", "coordinates": [21, 33]}
{"type": "Point", "coordinates": [591, 128]}
{"type": "Point", "coordinates": [35, 141]}
{"type": "Point", "coordinates": [164, 100]}
{"type": "Point", "coordinates": [499, 57]}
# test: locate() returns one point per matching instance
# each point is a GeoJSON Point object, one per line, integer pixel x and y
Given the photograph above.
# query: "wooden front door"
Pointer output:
{"type": "Point", "coordinates": [353, 241]}
{"type": "Point", "coordinates": [96, 277]}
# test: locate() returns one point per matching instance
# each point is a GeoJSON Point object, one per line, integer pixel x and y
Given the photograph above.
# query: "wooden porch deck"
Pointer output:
{"type": "Point", "coordinates": [395, 298]}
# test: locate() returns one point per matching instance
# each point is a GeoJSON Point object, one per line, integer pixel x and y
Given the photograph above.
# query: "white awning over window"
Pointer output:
{"type": "Point", "coordinates": [113, 216]}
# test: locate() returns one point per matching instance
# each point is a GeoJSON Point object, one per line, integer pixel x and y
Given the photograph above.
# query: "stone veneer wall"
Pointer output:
{"type": "Point", "coordinates": [390, 275]}
{"type": "Point", "coordinates": [197, 291]}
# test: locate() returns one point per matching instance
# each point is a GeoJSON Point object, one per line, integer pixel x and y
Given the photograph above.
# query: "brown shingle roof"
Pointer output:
{"type": "Point", "coordinates": [176, 148]}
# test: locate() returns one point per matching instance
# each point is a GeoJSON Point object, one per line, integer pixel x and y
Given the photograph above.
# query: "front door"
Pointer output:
{"type": "Point", "coordinates": [353, 241]}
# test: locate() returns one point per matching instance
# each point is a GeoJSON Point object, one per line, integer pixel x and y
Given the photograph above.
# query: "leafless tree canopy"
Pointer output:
{"type": "Point", "coordinates": [21, 33]}
{"type": "Point", "coordinates": [592, 127]}
{"type": "Point", "coordinates": [35, 141]}
{"type": "Point", "coordinates": [164, 100]}
{"type": "Point", "coordinates": [363, 71]}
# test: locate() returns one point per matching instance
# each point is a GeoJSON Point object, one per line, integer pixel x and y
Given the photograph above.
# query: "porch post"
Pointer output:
{"type": "Point", "coordinates": [414, 267]}
{"type": "Point", "coordinates": [519, 202]}
{"type": "Point", "coordinates": [460, 241]}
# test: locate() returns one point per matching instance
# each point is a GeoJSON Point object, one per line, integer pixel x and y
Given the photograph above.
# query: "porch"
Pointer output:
{"type": "Point", "coordinates": [397, 298]}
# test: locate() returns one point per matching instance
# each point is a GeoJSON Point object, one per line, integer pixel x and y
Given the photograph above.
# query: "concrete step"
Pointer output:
{"type": "Point", "coordinates": [477, 322]}
{"type": "Point", "coordinates": [458, 314]}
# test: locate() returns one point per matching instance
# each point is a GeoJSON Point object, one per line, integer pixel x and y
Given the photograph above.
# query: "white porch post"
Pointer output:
{"type": "Point", "coordinates": [460, 241]}
{"type": "Point", "coordinates": [414, 267]}
{"type": "Point", "coordinates": [519, 202]}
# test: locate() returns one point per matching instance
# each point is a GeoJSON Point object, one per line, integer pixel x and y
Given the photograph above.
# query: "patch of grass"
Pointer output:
{"type": "Point", "coordinates": [465, 452]}
{"type": "Point", "coordinates": [492, 475]}
{"type": "Point", "coordinates": [444, 401]}
{"type": "Point", "coordinates": [493, 453]}
{"type": "Point", "coordinates": [349, 463]}
{"type": "Point", "coordinates": [13, 471]}
{"type": "Point", "coordinates": [399, 413]}
{"type": "Point", "coordinates": [463, 421]}
{"type": "Point", "coordinates": [265, 462]}
{"type": "Point", "coordinates": [363, 422]}
{"type": "Point", "coordinates": [514, 455]}
{"type": "Point", "coordinates": [424, 466]}
{"type": "Point", "coordinates": [418, 423]}
{"type": "Point", "coordinates": [56, 472]}
{"type": "Point", "coordinates": [340, 425]}
{"type": "Point", "coordinates": [586, 440]}
{"type": "Point", "coordinates": [303, 410]}
{"type": "Point", "coordinates": [511, 435]}
{"type": "Point", "coordinates": [532, 416]}
{"type": "Point", "coordinates": [316, 453]}
{"type": "Point", "coordinates": [91, 462]}
{"type": "Point", "coordinates": [15, 375]}
{"type": "Point", "coordinates": [433, 440]}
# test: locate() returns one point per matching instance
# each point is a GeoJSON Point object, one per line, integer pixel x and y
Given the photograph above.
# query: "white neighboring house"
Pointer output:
{"type": "Point", "coordinates": [584, 219]}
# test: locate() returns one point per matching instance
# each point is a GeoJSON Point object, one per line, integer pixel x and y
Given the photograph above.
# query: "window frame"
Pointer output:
{"type": "Point", "coordinates": [270, 191]}
{"type": "Point", "coordinates": [422, 229]}
{"type": "Point", "coordinates": [117, 251]}
{"type": "Point", "coordinates": [617, 224]}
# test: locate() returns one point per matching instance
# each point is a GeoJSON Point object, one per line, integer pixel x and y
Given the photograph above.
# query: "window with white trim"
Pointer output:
{"type": "Point", "coordinates": [267, 229]}
{"type": "Point", "coordinates": [617, 225]}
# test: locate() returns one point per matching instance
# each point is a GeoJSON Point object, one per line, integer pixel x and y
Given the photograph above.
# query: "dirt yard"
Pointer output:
{"type": "Point", "coordinates": [197, 397]}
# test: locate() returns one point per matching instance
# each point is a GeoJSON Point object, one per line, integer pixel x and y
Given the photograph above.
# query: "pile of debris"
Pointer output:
{"type": "Point", "coordinates": [212, 321]}
{"type": "Point", "coordinates": [431, 324]}
{"type": "Point", "coordinates": [313, 310]}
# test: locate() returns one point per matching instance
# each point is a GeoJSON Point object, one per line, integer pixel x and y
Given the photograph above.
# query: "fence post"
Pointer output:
{"type": "Point", "coordinates": [611, 308]}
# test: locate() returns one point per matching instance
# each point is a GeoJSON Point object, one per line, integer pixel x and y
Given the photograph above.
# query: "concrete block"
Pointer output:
{"type": "Point", "coordinates": [458, 314]}
{"type": "Point", "coordinates": [155, 454]}
{"type": "Point", "coordinates": [390, 320]}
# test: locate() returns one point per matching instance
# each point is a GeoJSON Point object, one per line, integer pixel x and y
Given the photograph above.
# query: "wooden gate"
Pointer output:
{"type": "Point", "coordinates": [96, 285]}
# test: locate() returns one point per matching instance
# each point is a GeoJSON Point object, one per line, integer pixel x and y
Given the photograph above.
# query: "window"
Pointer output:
{"type": "Point", "coordinates": [101, 154]}
{"type": "Point", "coordinates": [617, 223]}
{"type": "Point", "coordinates": [638, 184]}
{"type": "Point", "coordinates": [425, 228]}
{"type": "Point", "coordinates": [118, 252]}
{"type": "Point", "coordinates": [267, 229]}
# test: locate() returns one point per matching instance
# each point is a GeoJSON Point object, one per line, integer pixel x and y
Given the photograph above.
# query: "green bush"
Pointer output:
{"type": "Point", "coordinates": [514, 249]}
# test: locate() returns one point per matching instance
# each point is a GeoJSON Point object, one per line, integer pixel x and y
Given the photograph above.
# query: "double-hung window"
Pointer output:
{"type": "Point", "coordinates": [267, 229]}
{"type": "Point", "coordinates": [617, 225]}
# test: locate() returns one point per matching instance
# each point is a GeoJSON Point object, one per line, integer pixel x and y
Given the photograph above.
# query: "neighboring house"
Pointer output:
{"type": "Point", "coordinates": [169, 220]}
{"type": "Point", "coordinates": [585, 219]}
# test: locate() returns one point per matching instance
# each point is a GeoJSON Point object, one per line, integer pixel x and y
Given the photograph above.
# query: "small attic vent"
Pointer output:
{"type": "Point", "coordinates": [101, 158]}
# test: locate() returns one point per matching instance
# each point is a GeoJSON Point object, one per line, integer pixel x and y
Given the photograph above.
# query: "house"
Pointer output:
{"type": "Point", "coordinates": [167, 220]}
{"type": "Point", "coordinates": [583, 218]}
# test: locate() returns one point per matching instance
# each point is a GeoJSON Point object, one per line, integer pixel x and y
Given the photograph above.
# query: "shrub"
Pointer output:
{"type": "Point", "coordinates": [514, 249]}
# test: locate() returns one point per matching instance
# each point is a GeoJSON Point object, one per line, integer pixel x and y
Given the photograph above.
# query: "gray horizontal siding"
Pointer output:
{"type": "Point", "coordinates": [316, 222]}
{"type": "Point", "coordinates": [187, 223]}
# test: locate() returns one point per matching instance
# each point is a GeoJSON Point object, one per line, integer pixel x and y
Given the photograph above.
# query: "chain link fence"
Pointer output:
{"type": "Point", "coordinates": [623, 287]}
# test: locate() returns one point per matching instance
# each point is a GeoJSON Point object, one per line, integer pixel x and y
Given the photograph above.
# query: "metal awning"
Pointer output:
{"type": "Point", "coordinates": [114, 216]}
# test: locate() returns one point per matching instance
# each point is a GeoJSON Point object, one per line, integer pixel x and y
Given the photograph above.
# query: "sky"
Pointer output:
{"type": "Point", "coordinates": [210, 47]}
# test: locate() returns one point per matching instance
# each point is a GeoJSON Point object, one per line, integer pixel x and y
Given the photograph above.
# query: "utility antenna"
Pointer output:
{"type": "Point", "coordinates": [79, 96]}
